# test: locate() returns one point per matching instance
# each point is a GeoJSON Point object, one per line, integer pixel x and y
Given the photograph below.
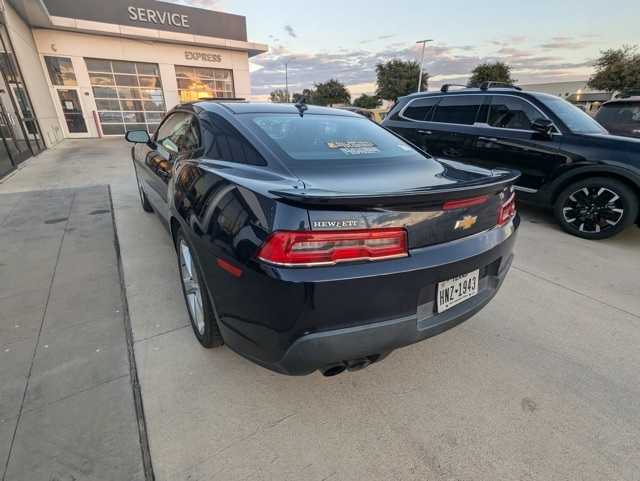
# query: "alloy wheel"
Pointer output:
{"type": "Point", "coordinates": [593, 209]}
{"type": "Point", "coordinates": [192, 290]}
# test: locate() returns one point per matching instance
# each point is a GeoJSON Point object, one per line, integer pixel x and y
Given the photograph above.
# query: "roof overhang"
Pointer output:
{"type": "Point", "coordinates": [141, 20]}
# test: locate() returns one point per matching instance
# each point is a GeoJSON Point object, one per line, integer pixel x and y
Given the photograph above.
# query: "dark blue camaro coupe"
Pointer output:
{"type": "Point", "coordinates": [311, 238]}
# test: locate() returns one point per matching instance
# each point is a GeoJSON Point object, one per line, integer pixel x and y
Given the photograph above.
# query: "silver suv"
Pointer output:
{"type": "Point", "coordinates": [621, 116]}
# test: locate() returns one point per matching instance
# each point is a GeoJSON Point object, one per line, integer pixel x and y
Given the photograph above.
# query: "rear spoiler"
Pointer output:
{"type": "Point", "coordinates": [427, 195]}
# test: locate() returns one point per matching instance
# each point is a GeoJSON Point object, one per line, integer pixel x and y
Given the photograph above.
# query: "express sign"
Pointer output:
{"type": "Point", "coordinates": [205, 57]}
{"type": "Point", "coordinates": [162, 17]}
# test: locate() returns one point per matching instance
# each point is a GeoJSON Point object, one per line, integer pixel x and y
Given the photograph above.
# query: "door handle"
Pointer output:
{"type": "Point", "coordinates": [488, 139]}
{"type": "Point", "coordinates": [424, 132]}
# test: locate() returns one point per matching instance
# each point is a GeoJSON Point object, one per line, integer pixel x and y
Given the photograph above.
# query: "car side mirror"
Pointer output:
{"type": "Point", "coordinates": [137, 136]}
{"type": "Point", "coordinates": [543, 127]}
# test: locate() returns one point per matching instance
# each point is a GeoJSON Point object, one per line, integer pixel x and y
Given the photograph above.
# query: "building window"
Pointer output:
{"type": "Point", "coordinates": [128, 95]}
{"type": "Point", "coordinates": [195, 83]}
{"type": "Point", "coordinates": [60, 71]}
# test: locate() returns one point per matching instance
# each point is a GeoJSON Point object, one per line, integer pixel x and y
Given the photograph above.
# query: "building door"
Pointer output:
{"type": "Point", "coordinates": [65, 89]}
{"type": "Point", "coordinates": [6, 165]}
{"type": "Point", "coordinates": [75, 122]}
{"type": "Point", "coordinates": [28, 117]}
{"type": "Point", "coordinates": [11, 128]}
{"type": "Point", "coordinates": [19, 129]}
{"type": "Point", "coordinates": [128, 95]}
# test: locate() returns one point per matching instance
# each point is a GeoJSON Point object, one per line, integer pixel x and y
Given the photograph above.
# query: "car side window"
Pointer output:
{"type": "Point", "coordinates": [512, 113]}
{"type": "Point", "coordinates": [179, 133]}
{"type": "Point", "coordinates": [420, 109]}
{"type": "Point", "coordinates": [224, 142]}
{"type": "Point", "coordinates": [458, 109]}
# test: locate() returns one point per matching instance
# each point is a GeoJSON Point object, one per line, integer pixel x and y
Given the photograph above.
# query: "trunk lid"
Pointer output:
{"type": "Point", "coordinates": [423, 200]}
{"type": "Point", "coordinates": [355, 177]}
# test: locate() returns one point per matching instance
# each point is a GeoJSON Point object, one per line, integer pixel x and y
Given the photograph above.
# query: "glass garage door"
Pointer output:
{"type": "Point", "coordinates": [128, 95]}
{"type": "Point", "coordinates": [195, 83]}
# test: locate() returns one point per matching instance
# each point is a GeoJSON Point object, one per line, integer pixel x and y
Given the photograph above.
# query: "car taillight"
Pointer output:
{"type": "Point", "coordinates": [309, 248]}
{"type": "Point", "coordinates": [462, 203]}
{"type": "Point", "coordinates": [507, 210]}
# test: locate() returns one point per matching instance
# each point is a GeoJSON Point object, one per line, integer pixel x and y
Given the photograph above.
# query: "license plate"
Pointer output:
{"type": "Point", "coordinates": [457, 290]}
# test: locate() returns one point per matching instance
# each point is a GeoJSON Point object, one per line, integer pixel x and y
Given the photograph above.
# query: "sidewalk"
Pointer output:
{"type": "Point", "coordinates": [66, 403]}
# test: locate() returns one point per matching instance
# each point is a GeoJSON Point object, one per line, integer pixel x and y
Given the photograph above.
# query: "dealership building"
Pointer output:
{"type": "Point", "coordinates": [94, 68]}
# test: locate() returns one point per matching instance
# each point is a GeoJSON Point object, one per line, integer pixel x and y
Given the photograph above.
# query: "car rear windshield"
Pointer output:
{"type": "Point", "coordinates": [329, 137]}
{"type": "Point", "coordinates": [575, 119]}
{"type": "Point", "coordinates": [618, 113]}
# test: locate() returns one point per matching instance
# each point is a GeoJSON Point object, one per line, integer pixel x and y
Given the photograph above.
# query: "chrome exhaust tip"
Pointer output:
{"type": "Point", "coordinates": [333, 370]}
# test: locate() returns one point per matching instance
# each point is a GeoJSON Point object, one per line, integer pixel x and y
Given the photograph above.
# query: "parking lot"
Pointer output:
{"type": "Point", "coordinates": [542, 384]}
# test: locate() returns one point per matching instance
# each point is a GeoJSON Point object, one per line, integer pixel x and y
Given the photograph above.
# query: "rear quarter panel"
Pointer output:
{"type": "Point", "coordinates": [226, 220]}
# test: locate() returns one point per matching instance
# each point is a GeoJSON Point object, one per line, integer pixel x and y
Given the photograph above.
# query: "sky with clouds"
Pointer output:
{"type": "Point", "coordinates": [544, 41]}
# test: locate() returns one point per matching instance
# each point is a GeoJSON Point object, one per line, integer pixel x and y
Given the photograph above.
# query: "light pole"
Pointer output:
{"type": "Point", "coordinates": [424, 43]}
{"type": "Point", "coordinates": [286, 78]}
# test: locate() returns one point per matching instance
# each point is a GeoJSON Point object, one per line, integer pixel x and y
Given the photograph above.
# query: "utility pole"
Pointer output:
{"type": "Point", "coordinates": [286, 79]}
{"type": "Point", "coordinates": [424, 43]}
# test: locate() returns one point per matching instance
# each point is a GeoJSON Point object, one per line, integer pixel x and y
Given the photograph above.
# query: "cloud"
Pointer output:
{"type": "Point", "coordinates": [567, 43]}
{"type": "Point", "coordinates": [290, 31]}
{"type": "Point", "coordinates": [514, 52]}
{"type": "Point", "coordinates": [378, 38]}
{"type": "Point", "coordinates": [355, 67]}
{"type": "Point", "coordinates": [507, 42]}
{"type": "Point", "coordinates": [208, 4]}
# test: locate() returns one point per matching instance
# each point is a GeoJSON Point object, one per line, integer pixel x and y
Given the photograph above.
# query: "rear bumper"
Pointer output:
{"type": "Point", "coordinates": [296, 321]}
{"type": "Point", "coordinates": [313, 351]}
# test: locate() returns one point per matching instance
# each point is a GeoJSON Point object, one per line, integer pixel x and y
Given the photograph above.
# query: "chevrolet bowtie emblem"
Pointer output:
{"type": "Point", "coordinates": [466, 222]}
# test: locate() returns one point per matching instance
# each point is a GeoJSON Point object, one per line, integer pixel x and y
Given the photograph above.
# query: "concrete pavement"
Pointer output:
{"type": "Point", "coordinates": [542, 384]}
{"type": "Point", "coordinates": [66, 404]}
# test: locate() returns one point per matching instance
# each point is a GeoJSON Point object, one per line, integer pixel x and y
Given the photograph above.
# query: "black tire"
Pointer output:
{"type": "Point", "coordinates": [208, 334]}
{"type": "Point", "coordinates": [596, 208]}
{"type": "Point", "coordinates": [146, 206]}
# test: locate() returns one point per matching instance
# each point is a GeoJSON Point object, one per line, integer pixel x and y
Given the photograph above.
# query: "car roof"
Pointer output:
{"type": "Point", "coordinates": [621, 100]}
{"type": "Point", "coordinates": [351, 108]}
{"type": "Point", "coordinates": [478, 91]}
{"type": "Point", "coordinates": [269, 108]}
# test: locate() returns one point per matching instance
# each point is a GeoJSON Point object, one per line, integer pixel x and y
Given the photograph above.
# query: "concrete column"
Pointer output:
{"type": "Point", "coordinates": [169, 85]}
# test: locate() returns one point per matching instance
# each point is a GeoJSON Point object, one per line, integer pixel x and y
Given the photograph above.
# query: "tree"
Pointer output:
{"type": "Point", "coordinates": [617, 69]}
{"type": "Point", "coordinates": [367, 101]}
{"type": "Point", "coordinates": [331, 92]}
{"type": "Point", "coordinates": [397, 78]}
{"type": "Point", "coordinates": [306, 93]}
{"type": "Point", "coordinates": [279, 96]}
{"type": "Point", "coordinates": [490, 72]}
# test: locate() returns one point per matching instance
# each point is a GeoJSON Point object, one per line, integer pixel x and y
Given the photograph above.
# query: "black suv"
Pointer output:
{"type": "Point", "coordinates": [568, 160]}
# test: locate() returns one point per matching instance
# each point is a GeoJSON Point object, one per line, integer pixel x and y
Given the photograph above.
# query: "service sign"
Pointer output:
{"type": "Point", "coordinates": [154, 15]}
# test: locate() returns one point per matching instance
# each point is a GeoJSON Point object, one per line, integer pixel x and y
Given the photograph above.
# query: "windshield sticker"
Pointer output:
{"type": "Point", "coordinates": [361, 150]}
{"type": "Point", "coordinates": [354, 147]}
{"type": "Point", "coordinates": [350, 144]}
